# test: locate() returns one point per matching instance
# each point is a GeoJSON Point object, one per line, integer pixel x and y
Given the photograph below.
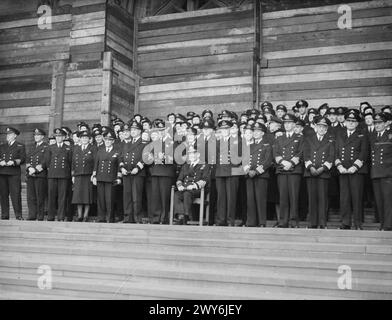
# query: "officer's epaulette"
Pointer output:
{"type": "Point", "coordinates": [360, 135]}
{"type": "Point", "coordinates": [20, 145]}
{"type": "Point", "coordinates": [266, 144]}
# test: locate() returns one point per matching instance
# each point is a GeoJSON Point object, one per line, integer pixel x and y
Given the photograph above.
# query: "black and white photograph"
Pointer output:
{"type": "Point", "coordinates": [211, 151]}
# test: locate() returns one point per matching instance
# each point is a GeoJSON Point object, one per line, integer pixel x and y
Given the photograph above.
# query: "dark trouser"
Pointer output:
{"type": "Point", "coordinates": [213, 198]}
{"type": "Point", "coordinates": [70, 208]}
{"type": "Point", "coordinates": [10, 186]}
{"type": "Point", "coordinates": [57, 198]}
{"type": "Point", "coordinates": [383, 196]}
{"type": "Point", "coordinates": [186, 198]}
{"type": "Point", "coordinates": [118, 207]}
{"type": "Point", "coordinates": [303, 201]}
{"type": "Point", "coordinates": [37, 191]}
{"type": "Point", "coordinates": [105, 194]}
{"type": "Point", "coordinates": [256, 193]}
{"type": "Point", "coordinates": [242, 200]}
{"type": "Point", "coordinates": [148, 193]}
{"type": "Point", "coordinates": [132, 197]}
{"type": "Point", "coordinates": [160, 198]}
{"type": "Point", "coordinates": [351, 191]}
{"type": "Point", "coordinates": [289, 185]}
{"type": "Point", "coordinates": [227, 188]}
{"type": "Point", "coordinates": [318, 201]}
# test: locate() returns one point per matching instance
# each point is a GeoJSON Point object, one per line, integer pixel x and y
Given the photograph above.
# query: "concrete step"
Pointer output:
{"type": "Point", "coordinates": [125, 235]}
{"type": "Point", "coordinates": [107, 261]}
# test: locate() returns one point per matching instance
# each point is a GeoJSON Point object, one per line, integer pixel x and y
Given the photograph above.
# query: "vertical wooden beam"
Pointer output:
{"type": "Point", "coordinates": [137, 85]}
{"type": "Point", "coordinates": [57, 98]}
{"type": "Point", "coordinates": [107, 76]}
{"type": "Point", "coordinates": [256, 52]}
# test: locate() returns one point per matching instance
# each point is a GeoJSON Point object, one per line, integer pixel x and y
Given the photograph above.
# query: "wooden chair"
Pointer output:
{"type": "Point", "coordinates": [203, 200]}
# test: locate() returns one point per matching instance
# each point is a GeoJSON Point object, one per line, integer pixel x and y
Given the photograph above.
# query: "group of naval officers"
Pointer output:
{"type": "Point", "coordinates": [242, 161]}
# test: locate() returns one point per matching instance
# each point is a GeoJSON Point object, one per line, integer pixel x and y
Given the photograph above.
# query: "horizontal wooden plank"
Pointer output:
{"type": "Point", "coordinates": [33, 21]}
{"type": "Point", "coordinates": [330, 58]}
{"type": "Point", "coordinates": [88, 81]}
{"type": "Point", "coordinates": [193, 28]}
{"type": "Point", "coordinates": [228, 32]}
{"type": "Point", "coordinates": [34, 58]}
{"type": "Point", "coordinates": [82, 105]}
{"type": "Point", "coordinates": [88, 16]}
{"type": "Point", "coordinates": [87, 32]}
{"type": "Point", "coordinates": [218, 58]}
{"type": "Point", "coordinates": [347, 83]}
{"type": "Point", "coordinates": [83, 89]}
{"type": "Point", "coordinates": [85, 115]}
{"type": "Point", "coordinates": [81, 3]}
{"type": "Point", "coordinates": [115, 26]}
{"type": "Point", "coordinates": [324, 17]}
{"type": "Point", "coordinates": [33, 44]}
{"type": "Point", "coordinates": [329, 67]}
{"type": "Point", "coordinates": [32, 118]}
{"type": "Point", "coordinates": [342, 39]}
{"type": "Point", "coordinates": [195, 84]}
{"type": "Point", "coordinates": [194, 77]}
{"type": "Point", "coordinates": [124, 94]}
{"type": "Point", "coordinates": [356, 23]}
{"type": "Point", "coordinates": [325, 9]}
{"type": "Point", "coordinates": [18, 103]}
{"type": "Point", "coordinates": [34, 51]}
{"type": "Point", "coordinates": [362, 47]}
{"type": "Point", "coordinates": [122, 84]}
{"type": "Point", "coordinates": [88, 24]}
{"type": "Point", "coordinates": [36, 110]}
{"type": "Point", "coordinates": [88, 8]}
{"type": "Point", "coordinates": [87, 57]}
{"type": "Point", "coordinates": [217, 67]}
{"type": "Point", "coordinates": [118, 48]}
{"type": "Point", "coordinates": [327, 93]}
{"type": "Point", "coordinates": [79, 97]}
{"type": "Point", "coordinates": [208, 100]}
{"type": "Point", "coordinates": [29, 85]}
{"type": "Point", "coordinates": [86, 40]}
{"type": "Point", "coordinates": [87, 48]}
{"type": "Point", "coordinates": [195, 52]}
{"type": "Point", "coordinates": [84, 66]}
{"type": "Point", "coordinates": [84, 73]}
{"type": "Point", "coordinates": [25, 95]}
{"type": "Point", "coordinates": [196, 43]}
{"type": "Point", "coordinates": [119, 66]}
{"type": "Point", "coordinates": [331, 76]}
{"type": "Point", "coordinates": [224, 90]}
{"type": "Point", "coordinates": [37, 69]}
{"type": "Point", "coordinates": [193, 14]}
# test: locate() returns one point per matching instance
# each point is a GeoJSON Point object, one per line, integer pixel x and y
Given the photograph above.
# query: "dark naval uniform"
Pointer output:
{"type": "Point", "coordinates": [260, 160]}
{"type": "Point", "coordinates": [191, 175]}
{"type": "Point", "coordinates": [318, 157]}
{"type": "Point", "coordinates": [351, 152]}
{"type": "Point", "coordinates": [289, 149]}
{"type": "Point", "coordinates": [163, 174]}
{"type": "Point", "coordinates": [82, 169]}
{"type": "Point", "coordinates": [131, 154]}
{"type": "Point", "coordinates": [227, 182]}
{"type": "Point", "coordinates": [10, 177]}
{"type": "Point", "coordinates": [59, 174]}
{"type": "Point", "coordinates": [106, 173]}
{"type": "Point", "coordinates": [381, 175]}
{"type": "Point", "coordinates": [37, 180]}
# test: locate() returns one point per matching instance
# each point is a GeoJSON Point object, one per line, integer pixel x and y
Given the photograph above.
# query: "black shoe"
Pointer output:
{"type": "Point", "coordinates": [358, 228]}
{"type": "Point", "coordinates": [79, 219]}
{"type": "Point", "coordinates": [312, 227]}
{"type": "Point", "coordinates": [5, 218]}
{"type": "Point", "coordinates": [127, 221]}
{"type": "Point", "coordinates": [282, 226]}
{"type": "Point", "coordinates": [186, 219]}
{"type": "Point", "coordinates": [31, 219]}
{"type": "Point", "coordinates": [85, 219]}
{"type": "Point", "coordinates": [101, 221]}
{"type": "Point", "coordinates": [322, 227]}
{"type": "Point", "coordinates": [19, 218]}
{"type": "Point", "coordinates": [344, 227]}
{"type": "Point", "coordinates": [50, 219]}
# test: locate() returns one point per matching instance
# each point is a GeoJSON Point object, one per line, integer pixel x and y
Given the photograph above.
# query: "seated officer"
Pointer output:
{"type": "Point", "coordinates": [12, 155]}
{"type": "Point", "coordinates": [193, 176]}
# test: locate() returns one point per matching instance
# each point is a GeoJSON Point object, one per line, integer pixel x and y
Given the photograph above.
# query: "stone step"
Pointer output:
{"type": "Point", "coordinates": [128, 229]}
{"type": "Point", "coordinates": [128, 289]}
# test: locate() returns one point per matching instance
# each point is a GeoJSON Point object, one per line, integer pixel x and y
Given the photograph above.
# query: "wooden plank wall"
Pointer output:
{"type": "Point", "coordinates": [120, 38]}
{"type": "Point", "coordinates": [195, 60]}
{"type": "Point", "coordinates": [83, 84]}
{"type": "Point", "coordinates": [310, 58]}
{"type": "Point", "coordinates": [27, 55]}
{"type": "Point", "coordinates": [124, 84]}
